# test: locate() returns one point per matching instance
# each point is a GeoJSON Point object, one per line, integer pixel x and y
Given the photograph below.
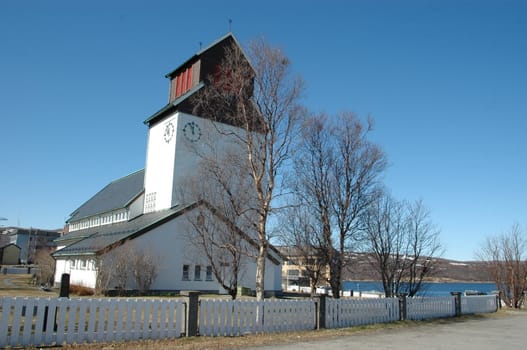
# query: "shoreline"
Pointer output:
{"type": "Point", "coordinates": [446, 280]}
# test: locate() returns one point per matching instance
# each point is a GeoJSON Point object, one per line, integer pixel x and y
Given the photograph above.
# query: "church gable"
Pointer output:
{"type": "Point", "coordinates": [199, 67]}
{"type": "Point", "coordinates": [188, 79]}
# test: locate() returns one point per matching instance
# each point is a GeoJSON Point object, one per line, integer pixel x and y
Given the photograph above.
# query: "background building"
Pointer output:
{"type": "Point", "coordinates": [29, 240]}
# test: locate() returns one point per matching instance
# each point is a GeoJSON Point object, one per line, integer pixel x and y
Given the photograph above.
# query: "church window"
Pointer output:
{"type": "Point", "coordinates": [150, 202]}
{"type": "Point", "coordinates": [186, 269]}
{"type": "Point", "coordinates": [209, 273]}
{"type": "Point", "coordinates": [197, 273]}
{"type": "Point", "coordinates": [293, 273]}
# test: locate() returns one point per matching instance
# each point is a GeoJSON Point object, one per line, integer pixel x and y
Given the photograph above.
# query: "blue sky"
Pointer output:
{"type": "Point", "coordinates": [445, 81]}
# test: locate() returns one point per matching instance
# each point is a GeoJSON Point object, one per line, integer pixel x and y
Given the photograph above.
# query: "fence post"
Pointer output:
{"type": "Point", "coordinates": [64, 292]}
{"type": "Point", "coordinates": [457, 302]}
{"type": "Point", "coordinates": [64, 286]}
{"type": "Point", "coordinates": [193, 311]}
{"type": "Point", "coordinates": [498, 300]}
{"type": "Point", "coordinates": [402, 306]}
{"type": "Point", "coordinates": [322, 311]}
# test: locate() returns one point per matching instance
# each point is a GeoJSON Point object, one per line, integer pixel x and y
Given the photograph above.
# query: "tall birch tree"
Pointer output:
{"type": "Point", "coordinates": [257, 93]}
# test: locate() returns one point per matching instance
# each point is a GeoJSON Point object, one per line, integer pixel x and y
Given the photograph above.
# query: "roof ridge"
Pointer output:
{"type": "Point", "coordinates": [206, 48]}
{"type": "Point", "coordinates": [124, 177]}
{"type": "Point", "coordinates": [113, 201]}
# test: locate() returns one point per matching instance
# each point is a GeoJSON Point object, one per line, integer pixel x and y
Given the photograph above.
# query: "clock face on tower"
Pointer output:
{"type": "Point", "coordinates": [169, 132]}
{"type": "Point", "coordinates": [192, 131]}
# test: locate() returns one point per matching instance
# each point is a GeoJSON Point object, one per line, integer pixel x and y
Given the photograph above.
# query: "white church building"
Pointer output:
{"type": "Point", "coordinates": [146, 209]}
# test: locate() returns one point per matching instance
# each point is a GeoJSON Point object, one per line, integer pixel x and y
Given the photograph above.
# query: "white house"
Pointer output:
{"type": "Point", "coordinates": [146, 209]}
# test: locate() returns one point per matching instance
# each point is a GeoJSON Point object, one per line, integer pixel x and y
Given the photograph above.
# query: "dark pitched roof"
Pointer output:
{"type": "Point", "coordinates": [118, 194]}
{"type": "Point", "coordinates": [227, 37]}
{"type": "Point", "coordinates": [172, 106]}
{"type": "Point", "coordinates": [98, 239]}
{"type": "Point", "coordinates": [10, 244]}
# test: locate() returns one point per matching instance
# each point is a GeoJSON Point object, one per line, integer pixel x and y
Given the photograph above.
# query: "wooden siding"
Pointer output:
{"type": "Point", "coordinates": [184, 80]}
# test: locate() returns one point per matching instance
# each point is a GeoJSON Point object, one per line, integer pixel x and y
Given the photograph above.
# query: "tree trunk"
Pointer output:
{"type": "Point", "coordinates": [260, 272]}
{"type": "Point", "coordinates": [336, 276]}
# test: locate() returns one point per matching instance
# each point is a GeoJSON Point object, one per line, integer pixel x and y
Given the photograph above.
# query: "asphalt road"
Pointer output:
{"type": "Point", "coordinates": [501, 332]}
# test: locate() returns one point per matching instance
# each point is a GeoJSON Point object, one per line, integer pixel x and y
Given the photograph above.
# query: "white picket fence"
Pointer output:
{"type": "Point", "coordinates": [356, 312]}
{"type": "Point", "coordinates": [475, 304]}
{"type": "Point", "coordinates": [238, 317]}
{"type": "Point", "coordinates": [421, 308]}
{"type": "Point", "coordinates": [54, 321]}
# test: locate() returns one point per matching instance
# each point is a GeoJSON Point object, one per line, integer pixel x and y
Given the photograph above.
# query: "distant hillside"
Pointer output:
{"type": "Point", "coordinates": [445, 270]}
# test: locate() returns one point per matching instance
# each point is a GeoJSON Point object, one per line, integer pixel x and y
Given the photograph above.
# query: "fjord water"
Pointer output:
{"type": "Point", "coordinates": [429, 288]}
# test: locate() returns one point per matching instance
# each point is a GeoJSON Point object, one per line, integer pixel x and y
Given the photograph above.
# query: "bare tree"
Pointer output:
{"type": "Point", "coordinates": [261, 99]}
{"type": "Point", "coordinates": [144, 268]}
{"type": "Point", "coordinates": [402, 242]}
{"type": "Point", "coordinates": [221, 224]}
{"type": "Point", "coordinates": [104, 274]}
{"type": "Point", "coordinates": [37, 241]}
{"type": "Point", "coordinates": [46, 267]}
{"type": "Point", "coordinates": [424, 246]}
{"type": "Point", "coordinates": [385, 241]}
{"type": "Point", "coordinates": [115, 268]}
{"type": "Point", "coordinates": [506, 259]}
{"type": "Point", "coordinates": [300, 236]}
{"type": "Point", "coordinates": [221, 244]}
{"type": "Point", "coordinates": [337, 172]}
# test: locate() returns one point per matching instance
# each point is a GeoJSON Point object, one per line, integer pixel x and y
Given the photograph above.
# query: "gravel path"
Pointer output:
{"type": "Point", "coordinates": [501, 332]}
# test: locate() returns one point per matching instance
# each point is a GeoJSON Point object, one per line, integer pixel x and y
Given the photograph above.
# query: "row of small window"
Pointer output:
{"type": "Point", "coordinates": [100, 220]}
{"type": "Point", "coordinates": [197, 273]}
{"type": "Point", "coordinates": [82, 264]}
{"type": "Point", "coordinates": [294, 262]}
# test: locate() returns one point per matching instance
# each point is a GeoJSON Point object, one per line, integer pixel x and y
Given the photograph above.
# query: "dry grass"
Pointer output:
{"type": "Point", "coordinates": [81, 291]}
{"type": "Point", "coordinates": [241, 342]}
{"type": "Point", "coordinates": [216, 343]}
{"type": "Point", "coordinates": [21, 286]}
